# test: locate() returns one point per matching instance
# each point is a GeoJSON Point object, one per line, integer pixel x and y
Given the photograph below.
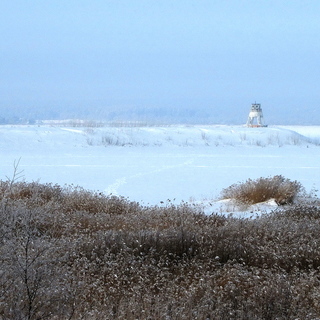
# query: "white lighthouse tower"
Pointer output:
{"type": "Point", "coordinates": [255, 118]}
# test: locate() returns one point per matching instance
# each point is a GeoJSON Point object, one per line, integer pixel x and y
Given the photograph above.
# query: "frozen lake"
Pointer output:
{"type": "Point", "coordinates": [154, 164]}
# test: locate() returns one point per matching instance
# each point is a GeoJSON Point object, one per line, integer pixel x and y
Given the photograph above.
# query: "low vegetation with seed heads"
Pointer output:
{"type": "Point", "coordinates": [69, 253]}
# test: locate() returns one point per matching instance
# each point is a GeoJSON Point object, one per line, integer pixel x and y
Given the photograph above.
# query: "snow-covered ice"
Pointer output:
{"type": "Point", "coordinates": [156, 164]}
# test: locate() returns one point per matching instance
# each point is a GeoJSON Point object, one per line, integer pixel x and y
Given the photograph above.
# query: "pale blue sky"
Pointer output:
{"type": "Point", "coordinates": [201, 54]}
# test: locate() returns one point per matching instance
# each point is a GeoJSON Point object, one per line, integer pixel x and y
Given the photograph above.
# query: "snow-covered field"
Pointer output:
{"type": "Point", "coordinates": [156, 164]}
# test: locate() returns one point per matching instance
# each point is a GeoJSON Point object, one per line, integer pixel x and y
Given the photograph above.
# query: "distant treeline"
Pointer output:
{"type": "Point", "coordinates": [230, 115]}
{"type": "Point", "coordinates": [119, 114]}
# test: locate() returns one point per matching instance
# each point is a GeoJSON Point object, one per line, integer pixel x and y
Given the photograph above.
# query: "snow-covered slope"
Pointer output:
{"type": "Point", "coordinates": [193, 136]}
{"type": "Point", "coordinates": [183, 136]}
{"type": "Point", "coordinates": [156, 164]}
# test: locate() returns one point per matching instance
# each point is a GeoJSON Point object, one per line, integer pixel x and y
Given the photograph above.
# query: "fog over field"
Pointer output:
{"type": "Point", "coordinates": [195, 62]}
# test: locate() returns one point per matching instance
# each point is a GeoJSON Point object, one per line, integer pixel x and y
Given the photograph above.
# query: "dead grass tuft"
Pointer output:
{"type": "Point", "coordinates": [283, 190]}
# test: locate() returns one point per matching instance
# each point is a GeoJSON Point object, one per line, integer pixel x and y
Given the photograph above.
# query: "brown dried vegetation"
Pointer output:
{"type": "Point", "coordinates": [283, 190]}
{"type": "Point", "coordinates": [68, 253]}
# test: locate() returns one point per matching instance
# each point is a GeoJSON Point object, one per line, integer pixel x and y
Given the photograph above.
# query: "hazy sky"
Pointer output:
{"type": "Point", "coordinates": [161, 53]}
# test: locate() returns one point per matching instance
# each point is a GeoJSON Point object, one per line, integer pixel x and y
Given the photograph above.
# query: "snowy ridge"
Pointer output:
{"type": "Point", "coordinates": [182, 136]}
{"type": "Point", "coordinates": [197, 136]}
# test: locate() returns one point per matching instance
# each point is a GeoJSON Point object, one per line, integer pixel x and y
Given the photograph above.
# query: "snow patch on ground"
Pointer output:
{"type": "Point", "coordinates": [231, 208]}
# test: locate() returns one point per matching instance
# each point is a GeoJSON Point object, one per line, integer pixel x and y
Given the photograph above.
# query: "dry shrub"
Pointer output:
{"type": "Point", "coordinates": [78, 199]}
{"type": "Point", "coordinates": [85, 255]}
{"type": "Point", "coordinates": [34, 193]}
{"type": "Point", "coordinates": [283, 190]}
{"type": "Point", "coordinates": [67, 199]}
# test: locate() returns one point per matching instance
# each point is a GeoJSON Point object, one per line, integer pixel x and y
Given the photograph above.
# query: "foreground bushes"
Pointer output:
{"type": "Point", "coordinates": [67, 253]}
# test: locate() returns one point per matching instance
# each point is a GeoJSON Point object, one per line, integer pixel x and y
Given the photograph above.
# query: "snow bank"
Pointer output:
{"type": "Point", "coordinates": [192, 136]}
{"type": "Point", "coordinates": [182, 136]}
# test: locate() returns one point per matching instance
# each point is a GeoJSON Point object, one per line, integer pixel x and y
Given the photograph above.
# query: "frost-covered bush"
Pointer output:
{"type": "Point", "coordinates": [79, 254]}
{"type": "Point", "coordinates": [283, 190]}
